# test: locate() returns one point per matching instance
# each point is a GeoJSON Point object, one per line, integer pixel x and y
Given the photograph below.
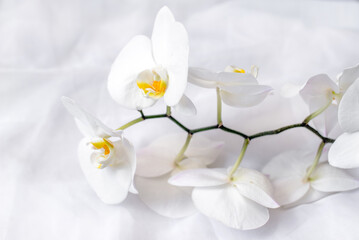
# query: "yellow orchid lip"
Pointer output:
{"type": "Point", "coordinates": [155, 90]}
{"type": "Point", "coordinates": [239, 70]}
{"type": "Point", "coordinates": [107, 147]}
{"type": "Point", "coordinates": [152, 84]}
{"type": "Point", "coordinates": [234, 69]}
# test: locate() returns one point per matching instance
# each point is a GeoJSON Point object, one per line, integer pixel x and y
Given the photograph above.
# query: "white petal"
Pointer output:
{"type": "Point", "coordinates": [236, 79]}
{"type": "Point", "coordinates": [129, 154]}
{"type": "Point", "coordinates": [152, 163]}
{"type": "Point", "coordinates": [319, 86]}
{"type": "Point", "coordinates": [330, 179]}
{"type": "Point", "coordinates": [159, 157]}
{"type": "Point", "coordinates": [287, 171]}
{"type": "Point", "coordinates": [161, 35]}
{"type": "Point", "coordinates": [347, 77]}
{"type": "Point", "coordinates": [88, 124]}
{"type": "Point", "coordinates": [331, 119]}
{"type": "Point", "coordinates": [255, 186]}
{"type": "Point", "coordinates": [344, 153]}
{"type": "Point", "coordinates": [202, 77]}
{"type": "Point", "coordinates": [176, 85]}
{"type": "Point", "coordinates": [133, 189]}
{"type": "Point", "coordinates": [349, 109]}
{"type": "Point", "coordinates": [204, 150]}
{"type": "Point", "coordinates": [185, 106]}
{"type": "Point", "coordinates": [188, 163]}
{"type": "Point", "coordinates": [227, 205]}
{"type": "Point", "coordinates": [254, 70]}
{"type": "Point", "coordinates": [170, 50]}
{"type": "Point", "coordinates": [327, 120]}
{"type": "Point", "coordinates": [111, 183]}
{"type": "Point", "coordinates": [134, 58]}
{"type": "Point", "coordinates": [165, 199]}
{"type": "Point", "coordinates": [295, 163]}
{"type": "Point", "coordinates": [203, 177]}
{"type": "Point", "coordinates": [311, 196]}
{"type": "Point", "coordinates": [289, 190]}
{"type": "Point", "coordinates": [244, 96]}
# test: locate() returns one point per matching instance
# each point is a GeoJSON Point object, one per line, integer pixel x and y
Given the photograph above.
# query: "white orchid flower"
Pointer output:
{"type": "Point", "coordinates": [157, 163]}
{"type": "Point", "coordinates": [321, 93]}
{"type": "Point", "coordinates": [149, 69]}
{"type": "Point", "coordinates": [236, 87]}
{"type": "Point", "coordinates": [109, 165]}
{"type": "Point", "coordinates": [340, 101]}
{"type": "Point", "coordinates": [288, 172]}
{"type": "Point", "coordinates": [344, 80]}
{"type": "Point", "coordinates": [240, 201]}
{"type": "Point", "coordinates": [344, 152]}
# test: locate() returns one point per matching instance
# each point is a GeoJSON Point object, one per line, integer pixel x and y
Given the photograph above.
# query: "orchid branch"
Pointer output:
{"type": "Point", "coordinates": [226, 129]}
{"type": "Point", "coordinates": [298, 125]}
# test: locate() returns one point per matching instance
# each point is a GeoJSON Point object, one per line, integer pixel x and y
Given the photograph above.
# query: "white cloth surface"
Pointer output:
{"type": "Point", "coordinates": [53, 48]}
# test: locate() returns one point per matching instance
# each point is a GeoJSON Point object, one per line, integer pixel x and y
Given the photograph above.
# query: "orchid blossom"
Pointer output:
{"type": "Point", "coordinates": [323, 96]}
{"type": "Point", "coordinates": [236, 88]}
{"type": "Point", "coordinates": [149, 69]}
{"type": "Point", "coordinates": [237, 199]}
{"type": "Point", "coordinates": [160, 160]}
{"type": "Point", "coordinates": [344, 152]}
{"type": "Point", "coordinates": [109, 165]}
{"type": "Point", "coordinates": [337, 101]}
{"type": "Point", "coordinates": [297, 180]}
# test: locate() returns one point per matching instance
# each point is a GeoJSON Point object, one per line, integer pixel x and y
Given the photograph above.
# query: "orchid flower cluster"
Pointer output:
{"type": "Point", "coordinates": [171, 175]}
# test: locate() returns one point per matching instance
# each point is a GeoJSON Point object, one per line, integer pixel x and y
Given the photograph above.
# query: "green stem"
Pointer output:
{"type": "Point", "coordinates": [315, 162]}
{"type": "Point", "coordinates": [233, 131]}
{"type": "Point", "coordinates": [142, 114]}
{"type": "Point", "coordinates": [276, 131]}
{"type": "Point", "coordinates": [179, 124]}
{"type": "Point", "coordinates": [239, 160]}
{"type": "Point", "coordinates": [180, 155]}
{"type": "Point", "coordinates": [129, 124]}
{"type": "Point", "coordinates": [318, 112]}
{"type": "Point", "coordinates": [155, 116]}
{"type": "Point", "coordinates": [219, 107]}
{"type": "Point", "coordinates": [197, 130]}
{"type": "Point", "coordinates": [140, 119]}
{"type": "Point", "coordinates": [203, 129]}
{"type": "Point", "coordinates": [168, 111]}
{"type": "Point", "coordinates": [324, 139]}
{"type": "Point", "coordinates": [220, 125]}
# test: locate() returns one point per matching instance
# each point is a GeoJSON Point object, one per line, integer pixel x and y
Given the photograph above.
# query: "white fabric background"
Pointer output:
{"type": "Point", "coordinates": [54, 48]}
